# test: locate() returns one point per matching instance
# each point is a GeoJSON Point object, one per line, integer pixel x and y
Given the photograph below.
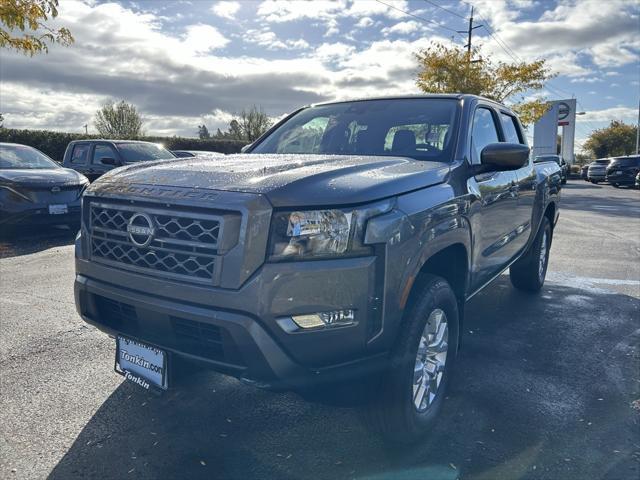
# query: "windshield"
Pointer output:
{"type": "Point", "coordinates": [548, 158]}
{"type": "Point", "coordinates": [139, 152]}
{"type": "Point", "coordinates": [22, 156]}
{"type": "Point", "coordinates": [626, 162]}
{"type": "Point", "coordinates": [419, 128]}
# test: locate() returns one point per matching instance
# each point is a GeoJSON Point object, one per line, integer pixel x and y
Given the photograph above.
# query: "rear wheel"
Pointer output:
{"type": "Point", "coordinates": [412, 391]}
{"type": "Point", "coordinates": [616, 185]}
{"type": "Point", "coordinates": [529, 272]}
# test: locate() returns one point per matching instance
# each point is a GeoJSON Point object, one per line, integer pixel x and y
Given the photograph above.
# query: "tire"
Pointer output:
{"type": "Point", "coordinates": [529, 271]}
{"type": "Point", "coordinates": [563, 181]}
{"type": "Point", "coordinates": [615, 185]}
{"type": "Point", "coordinates": [393, 413]}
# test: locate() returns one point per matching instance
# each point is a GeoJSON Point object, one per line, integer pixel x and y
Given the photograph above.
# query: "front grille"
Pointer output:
{"type": "Point", "coordinates": [183, 245]}
{"type": "Point", "coordinates": [201, 339]}
{"type": "Point", "coordinates": [115, 314]}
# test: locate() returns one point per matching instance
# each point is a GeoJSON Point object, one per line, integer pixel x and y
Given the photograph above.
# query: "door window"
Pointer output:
{"type": "Point", "coordinates": [102, 151]}
{"type": "Point", "coordinates": [79, 154]}
{"type": "Point", "coordinates": [510, 129]}
{"type": "Point", "coordinates": [483, 133]}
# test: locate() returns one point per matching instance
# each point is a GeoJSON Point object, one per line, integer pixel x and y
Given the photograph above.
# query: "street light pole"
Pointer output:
{"type": "Point", "coordinates": [638, 131]}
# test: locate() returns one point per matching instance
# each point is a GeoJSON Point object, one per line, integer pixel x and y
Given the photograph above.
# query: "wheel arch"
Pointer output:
{"type": "Point", "coordinates": [452, 264]}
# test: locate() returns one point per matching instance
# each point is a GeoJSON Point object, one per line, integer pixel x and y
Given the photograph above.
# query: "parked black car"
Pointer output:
{"type": "Point", "coordinates": [35, 189]}
{"type": "Point", "coordinates": [94, 158]}
{"type": "Point", "coordinates": [598, 170]}
{"type": "Point", "coordinates": [622, 171]}
{"type": "Point", "coordinates": [584, 172]}
{"type": "Point", "coordinates": [341, 252]}
{"type": "Point", "coordinates": [564, 166]}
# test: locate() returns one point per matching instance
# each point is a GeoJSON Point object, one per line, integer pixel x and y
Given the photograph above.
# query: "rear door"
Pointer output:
{"type": "Point", "coordinates": [498, 218]}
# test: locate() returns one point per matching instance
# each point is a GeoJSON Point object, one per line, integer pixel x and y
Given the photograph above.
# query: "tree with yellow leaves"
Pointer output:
{"type": "Point", "coordinates": [23, 26]}
{"type": "Point", "coordinates": [452, 70]}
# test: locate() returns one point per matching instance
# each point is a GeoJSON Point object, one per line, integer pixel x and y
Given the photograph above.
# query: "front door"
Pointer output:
{"type": "Point", "coordinates": [80, 159]}
{"type": "Point", "coordinates": [497, 221]}
{"type": "Point", "coordinates": [100, 151]}
{"type": "Point", "coordinates": [526, 178]}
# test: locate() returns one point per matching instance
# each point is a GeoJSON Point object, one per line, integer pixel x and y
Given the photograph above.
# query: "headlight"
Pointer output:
{"type": "Point", "coordinates": [308, 234]}
{"type": "Point", "coordinates": [82, 187]}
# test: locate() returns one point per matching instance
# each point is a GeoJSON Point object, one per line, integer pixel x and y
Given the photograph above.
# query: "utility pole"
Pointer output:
{"type": "Point", "coordinates": [469, 32]}
{"type": "Point", "coordinates": [638, 131]}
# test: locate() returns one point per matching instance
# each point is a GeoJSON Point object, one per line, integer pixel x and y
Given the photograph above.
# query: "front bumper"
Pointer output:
{"type": "Point", "coordinates": [236, 331]}
{"type": "Point", "coordinates": [39, 215]}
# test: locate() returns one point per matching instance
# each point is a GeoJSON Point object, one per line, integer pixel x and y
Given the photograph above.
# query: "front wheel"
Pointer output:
{"type": "Point", "coordinates": [529, 271]}
{"type": "Point", "coordinates": [411, 392]}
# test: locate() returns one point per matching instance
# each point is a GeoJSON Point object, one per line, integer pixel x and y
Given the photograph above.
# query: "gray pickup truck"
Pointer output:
{"type": "Point", "coordinates": [340, 248]}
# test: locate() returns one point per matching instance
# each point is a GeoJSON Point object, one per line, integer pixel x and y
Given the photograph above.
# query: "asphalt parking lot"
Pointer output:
{"type": "Point", "coordinates": [545, 385]}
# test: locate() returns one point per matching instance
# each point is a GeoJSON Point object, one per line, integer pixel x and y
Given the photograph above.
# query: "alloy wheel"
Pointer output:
{"type": "Point", "coordinates": [430, 361]}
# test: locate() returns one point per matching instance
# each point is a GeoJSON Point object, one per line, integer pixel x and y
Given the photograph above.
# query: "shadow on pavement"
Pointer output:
{"type": "Point", "coordinates": [543, 389]}
{"type": "Point", "coordinates": [24, 240]}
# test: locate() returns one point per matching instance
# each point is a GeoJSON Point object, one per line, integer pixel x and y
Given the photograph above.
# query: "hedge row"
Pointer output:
{"type": "Point", "coordinates": [55, 143]}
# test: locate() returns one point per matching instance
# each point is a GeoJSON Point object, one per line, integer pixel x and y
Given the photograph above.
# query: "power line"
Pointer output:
{"type": "Point", "coordinates": [446, 10]}
{"type": "Point", "coordinates": [419, 17]}
{"type": "Point", "coordinates": [501, 43]}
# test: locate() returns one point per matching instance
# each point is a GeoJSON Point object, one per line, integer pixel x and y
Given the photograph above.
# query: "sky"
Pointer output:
{"type": "Point", "coordinates": [185, 63]}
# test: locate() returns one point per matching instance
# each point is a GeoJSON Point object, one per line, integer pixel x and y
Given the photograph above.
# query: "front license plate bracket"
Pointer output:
{"type": "Point", "coordinates": [141, 363]}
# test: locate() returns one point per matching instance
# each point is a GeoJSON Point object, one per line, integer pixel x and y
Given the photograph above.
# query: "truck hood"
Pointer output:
{"type": "Point", "coordinates": [288, 180]}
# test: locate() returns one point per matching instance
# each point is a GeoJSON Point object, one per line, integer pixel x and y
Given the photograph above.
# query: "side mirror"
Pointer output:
{"type": "Point", "coordinates": [504, 156]}
{"type": "Point", "coordinates": [109, 161]}
{"type": "Point", "coordinates": [245, 148]}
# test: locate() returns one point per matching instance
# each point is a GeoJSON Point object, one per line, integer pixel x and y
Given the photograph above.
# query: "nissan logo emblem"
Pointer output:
{"type": "Point", "coordinates": [141, 229]}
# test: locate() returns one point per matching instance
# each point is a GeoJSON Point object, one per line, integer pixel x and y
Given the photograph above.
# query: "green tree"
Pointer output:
{"type": "Point", "coordinates": [617, 139]}
{"type": "Point", "coordinates": [23, 26]}
{"type": "Point", "coordinates": [247, 126]}
{"type": "Point", "coordinates": [1, 120]}
{"type": "Point", "coordinates": [203, 132]}
{"type": "Point", "coordinates": [445, 69]}
{"type": "Point", "coordinates": [118, 120]}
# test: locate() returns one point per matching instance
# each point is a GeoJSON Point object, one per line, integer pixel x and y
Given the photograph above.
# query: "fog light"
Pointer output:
{"type": "Point", "coordinates": [325, 319]}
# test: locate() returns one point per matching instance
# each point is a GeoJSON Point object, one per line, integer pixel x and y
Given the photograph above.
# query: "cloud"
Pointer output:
{"type": "Point", "coordinates": [364, 22]}
{"type": "Point", "coordinates": [226, 9]}
{"type": "Point", "coordinates": [270, 40]}
{"type": "Point", "coordinates": [181, 67]}
{"type": "Point", "coordinates": [402, 28]}
{"type": "Point", "coordinates": [607, 32]}
{"type": "Point", "coordinates": [202, 38]}
{"type": "Point", "coordinates": [608, 114]}
{"type": "Point", "coordinates": [279, 11]}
